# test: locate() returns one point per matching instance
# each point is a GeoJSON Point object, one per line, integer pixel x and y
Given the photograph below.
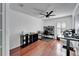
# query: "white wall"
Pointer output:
{"type": "Point", "coordinates": [52, 22]}
{"type": "Point", "coordinates": [19, 22]}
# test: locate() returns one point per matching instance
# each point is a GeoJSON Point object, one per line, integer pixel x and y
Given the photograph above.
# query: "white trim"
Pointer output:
{"type": "Point", "coordinates": [6, 30]}
{"type": "Point", "coordinates": [4, 44]}
{"type": "Point", "coordinates": [73, 15]}
{"type": "Point", "coordinates": [0, 46]}
{"type": "Point", "coordinates": [0, 29]}
{"type": "Point", "coordinates": [0, 13]}
{"type": "Point", "coordinates": [3, 36]}
{"type": "Point", "coordinates": [75, 9]}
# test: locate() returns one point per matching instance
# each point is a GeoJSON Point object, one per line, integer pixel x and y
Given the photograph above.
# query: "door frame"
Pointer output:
{"type": "Point", "coordinates": [5, 36]}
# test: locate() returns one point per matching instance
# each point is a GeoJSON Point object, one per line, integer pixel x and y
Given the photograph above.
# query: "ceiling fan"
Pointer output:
{"type": "Point", "coordinates": [48, 14]}
{"type": "Point", "coordinates": [45, 13]}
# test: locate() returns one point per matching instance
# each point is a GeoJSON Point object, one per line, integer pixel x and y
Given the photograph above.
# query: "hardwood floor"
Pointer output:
{"type": "Point", "coordinates": [40, 48]}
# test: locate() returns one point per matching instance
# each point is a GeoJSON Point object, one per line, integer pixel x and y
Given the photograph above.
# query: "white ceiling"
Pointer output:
{"type": "Point", "coordinates": [60, 9]}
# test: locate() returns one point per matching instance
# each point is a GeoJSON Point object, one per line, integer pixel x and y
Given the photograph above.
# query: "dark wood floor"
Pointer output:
{"type": "Point", "coordinates": [40, 48]}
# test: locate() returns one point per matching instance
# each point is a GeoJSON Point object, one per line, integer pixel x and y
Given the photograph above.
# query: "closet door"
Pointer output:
{"type": "Point", "coordinates": [0, 29]}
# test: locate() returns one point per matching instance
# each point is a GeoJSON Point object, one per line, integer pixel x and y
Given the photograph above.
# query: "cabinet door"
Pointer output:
{"type": "Point", "coordinates": [26, 39]}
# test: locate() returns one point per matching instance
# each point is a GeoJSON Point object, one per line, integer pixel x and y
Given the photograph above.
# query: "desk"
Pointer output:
{"type": "Point", "coordinates": [68, 43]}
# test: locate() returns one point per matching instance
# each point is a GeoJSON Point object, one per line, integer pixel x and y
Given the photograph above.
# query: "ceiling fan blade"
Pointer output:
{"type": "Point", "coordinates": [50, 12]}
{"type": "Point", "coordinates": [42, 14]}
{"type": "Point", "coordinates": [52, 15]}
{"type": "Point", "coordinates": [38, 10]}
{"type": "Point", "coordinates": [54, 10]}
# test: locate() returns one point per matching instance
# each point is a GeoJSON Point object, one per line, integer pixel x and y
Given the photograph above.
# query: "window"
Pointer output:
{"type": "Point", "coordinates": [61, 26]}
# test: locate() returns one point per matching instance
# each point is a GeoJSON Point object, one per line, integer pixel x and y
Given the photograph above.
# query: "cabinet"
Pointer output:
{"type": "Point", "coordinates": [28, 39]}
